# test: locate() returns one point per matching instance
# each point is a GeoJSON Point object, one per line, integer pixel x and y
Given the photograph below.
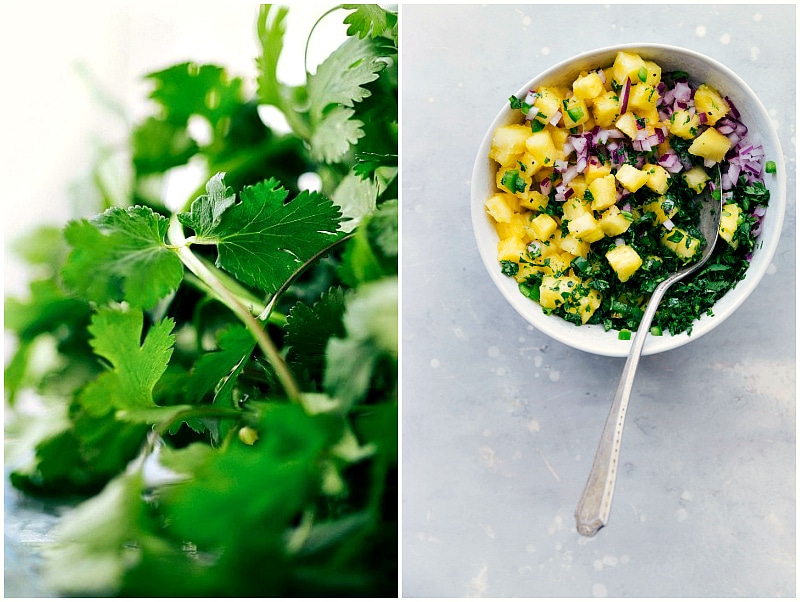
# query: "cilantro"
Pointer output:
{"type": "Point", "coordinates": [509, 268]}
{"type": "Point", "coordinates": [245, 340]}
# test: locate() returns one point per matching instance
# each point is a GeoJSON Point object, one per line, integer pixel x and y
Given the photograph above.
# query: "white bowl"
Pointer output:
{"type": "Point", "coordinates": [593, 338]}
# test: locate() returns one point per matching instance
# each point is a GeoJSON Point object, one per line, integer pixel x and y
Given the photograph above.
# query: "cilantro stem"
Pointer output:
{"type": "Point", "coordinates": [232, 301]}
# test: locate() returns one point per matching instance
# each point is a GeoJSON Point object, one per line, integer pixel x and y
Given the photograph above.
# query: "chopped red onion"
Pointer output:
{"type": "Point", "coordinates": [623, 98]}
{"type": "Point", "coordinates": [555, 118]}
{"type": "Point", "coordinates": [668, 224]}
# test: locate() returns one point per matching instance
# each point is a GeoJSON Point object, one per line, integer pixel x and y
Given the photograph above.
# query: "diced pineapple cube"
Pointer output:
{"type": "Point", "coordinates": [603, 191]}
{"type": "Point", "coordinates": [586, 305]}
{"type": "Point", "coordinates": [559, 136]}
{"type": "Point", "coordinates": [500, 208]}
{"type": "Point", "coordinates": [554, 290]}
{"type": "Point", "coordinates": [707, 100]}
{"type": "Point", "coordinates": [631, 178]}
{"type": "Point", "coordinates": [595, 169]}
{"type": "Point", "coordinates": [643, 98]}
{"type": "Point", "coordinates": [543, 226]}
{"type": "Point", "coordinates": [586, 228]}
{"type": "Point", "coordinates": [578, 185]}
{"type": "Point", "coordinates": [627, 124]}
{"type": "Point", "coordinates": [534, 200]}
{"type": "Point", "coordinates": [512, 179]}
{"type": "Point", "coordinates": [710, 145]}
{"type": "Point", "coordinates": [627, 65]}
{"type": "Point", "coordinates": [548, 102]}
{"type": "Point", "coordinates": [520, 225]}
{"type": "Point", "coordinates": [574, 207]}
{"type": "Point", "coordinates": [573, 245]}
{"type": "Point", "coordinates": [657, 178]}
{"type": "Point", "coordinates": [508, 142]}
{"type": "Point", "coordinates": [679, 241]}
{"type": "Point", "coordinates": [614, 222]}
{"type": "Point", "coordinates": [541, 147]}
{"type": "Point", "coordinates": [696, 178]}
{"type": "Point", "coordinates": [729, 222]}
{"type": "Point", "coordinates": [684, 124]}
{"type": "Point", "coordinates": [624, 260]}
{"type": "Point", "coordinates": [663, 207]}
{"type": "Point", "coordinates": [653, 73]}
{"type": "Point", "coordinates": [510, 249]}
{"type": "Point", "coordinates": [575, 112]}
{"type": "Point", "coordinates": [588, 85]}
{"type": "Point", "coordinates": [605, 108]}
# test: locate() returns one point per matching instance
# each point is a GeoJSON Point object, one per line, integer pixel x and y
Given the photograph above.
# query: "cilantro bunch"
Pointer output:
{"type": "Point", "coordinates": [217, 382]}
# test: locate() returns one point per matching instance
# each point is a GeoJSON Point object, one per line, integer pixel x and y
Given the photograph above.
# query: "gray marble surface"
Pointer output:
{"type": "Point", "coordinates": [500, 423]}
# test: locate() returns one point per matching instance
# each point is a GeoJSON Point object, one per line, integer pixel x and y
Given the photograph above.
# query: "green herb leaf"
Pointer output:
{"type": "Point", "coordinates": [134, 367]}
{"type": "Point", "coordinates": [121, 255]}
{"type": "Point", "coordinates": [262, 239]}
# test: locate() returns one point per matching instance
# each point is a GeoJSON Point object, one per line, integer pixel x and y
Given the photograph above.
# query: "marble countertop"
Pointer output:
{"type": "Point", "coordinates": [500, 423]}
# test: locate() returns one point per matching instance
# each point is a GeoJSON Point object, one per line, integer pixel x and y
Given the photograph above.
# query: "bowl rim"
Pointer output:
{"type": "Point", "coordinates": [593, 338]}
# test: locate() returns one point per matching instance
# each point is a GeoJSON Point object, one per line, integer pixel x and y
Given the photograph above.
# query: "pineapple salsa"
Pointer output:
{"type": "Point", "coordinates": [597, 195]}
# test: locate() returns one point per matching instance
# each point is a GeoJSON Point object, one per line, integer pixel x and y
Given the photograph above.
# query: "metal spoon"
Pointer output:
{"type": "Point", "coordinates": [595, 503]}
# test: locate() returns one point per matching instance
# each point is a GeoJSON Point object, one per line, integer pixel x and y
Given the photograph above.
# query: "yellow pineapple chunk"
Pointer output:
{"type": "Point", "coordinates": [543, 226]}
{"type": "Point", "coordinates": [604, 192]}
{"type": "Point", "coordinates": [586, 228]}
{"type": "Point", "coordinates": [605, 108]}
{"type": "Point", "coordinates": [663, 207]}
{"type": "Point", "coordinates": [624, 260]}
{"type": "Point", "coordinates": [510, 249]}
{"type": "Point", "coordinates": [729, 222]}
{"type": "Point", "coordinates": [574, 207]}
{"type": "Point", "coordinates": [614, 222]}
{"type": "Point", "coordinates": [679, 241]}
{"type": "Point", "coordinates": [500, 208]}
{"type": "Point", "coordinates": [696, 178]}
{"type": "Point", "coordinates": [588, 85]}
{"type": "Point", "coordinates": [541, 147]}
{"type": "Point", "coordinates": [631, 178]}
{"type": "Point", "coordinates": [508, 142]}
{"type": "Point", "coordinates": [643, 98]}
{"type": "Point", "coordinates": [548, 102]}
{"type": "Point", "coordinates": [512, 179]}
{"type": "Point", "coordinates": [710, 145]}
{"type": "Point", "coordinates": [534, 200]}
{"type": "Point", "coordinates": [657, 178]}
{"type": "Point", "coordinates": [595, 169]}
{"type": "Point", "coordinates": [578, 185]}
{"type": "Point", "coordinates": [684, 124]}
{"type": "Point", "coordinates": [707, 100]}
{"type": "Point", "coordinates": [586, 305]}
{"type": "Point", "coordinates": [559, 136]}
{"type": "Point", "coordinates": [653, 73]}
{"type": "Point", "coordinates": [627, 65]}
{"type": "Point", "coordinates": [575, 112]}
{"type": "Point", "coordinates": [573, 245]}
{"type": "Point", "coordinates": [627, 124]}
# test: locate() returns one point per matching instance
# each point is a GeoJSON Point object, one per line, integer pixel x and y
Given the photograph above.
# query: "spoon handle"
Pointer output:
{"type": "Point", "coordinates": [595, 503]}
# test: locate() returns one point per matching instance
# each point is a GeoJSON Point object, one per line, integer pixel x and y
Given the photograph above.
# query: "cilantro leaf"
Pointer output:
{"type": "Point", "coordinates": [308, 328]}
{"type": "Point", "coordinates": [235, 346]}
{"type": "Point", "coordinates": [335, 134]}
{"type": "Point", "coordinates": [370, 20]}
{"type": "Point", "coordinates": [121, 255]}
{"type": "Point", "coordinates": [341, 79]}
{"type": "Point", "coordinates": [159, 145]}
{"type": "Point", "coordinates": [262, 239]}
{"type": "Point", "coordinates": [134, 367]}
{"type": "Point", "coordinates": [190, 89]}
